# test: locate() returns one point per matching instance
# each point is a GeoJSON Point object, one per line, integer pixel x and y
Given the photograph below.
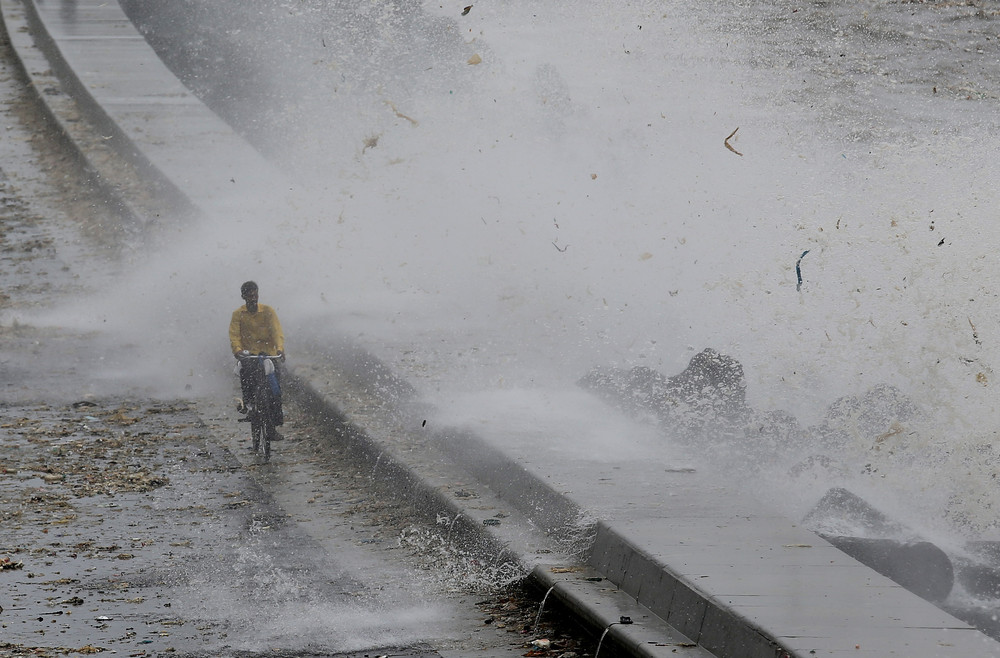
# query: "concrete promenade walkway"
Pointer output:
{"type": "Point", "coordinates": [698, 568]}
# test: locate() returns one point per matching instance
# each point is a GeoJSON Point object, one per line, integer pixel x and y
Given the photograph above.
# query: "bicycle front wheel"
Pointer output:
{"type": "Point", "coordinates": [266, 419]}
{"type": "Point", "coordinates": [256, 428]}
{"type": "Point", "coordinates": [267, 433]}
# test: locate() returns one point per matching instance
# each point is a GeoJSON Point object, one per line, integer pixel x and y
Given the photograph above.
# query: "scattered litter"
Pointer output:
{"type": "Point", "coordinates": [491, 521]}
{"type": "Point", "coordinates": [475, 59]}
{"type": "Point", "coordinates": [465, 12]}
{"type": "Point", "coordinates": [7, 565]}
{"type": "Point", "coordinates": [624, 620]}
{"type": "Point", "coordinates": [565, 569]}
{"type": "Point", "coordinates": [542, 643]}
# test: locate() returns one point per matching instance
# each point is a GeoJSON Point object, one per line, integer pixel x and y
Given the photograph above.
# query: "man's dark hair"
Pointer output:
{"type": "Point", "coordinates": [247, 288]}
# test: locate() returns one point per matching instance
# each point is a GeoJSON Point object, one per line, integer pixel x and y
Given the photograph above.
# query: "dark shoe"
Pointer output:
{"type": "Point", "coordinates": [277, 437]}
{"type": "Point", "coordinates": [241, 408]}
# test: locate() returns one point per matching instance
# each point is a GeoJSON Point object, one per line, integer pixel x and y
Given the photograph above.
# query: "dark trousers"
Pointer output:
{"type": "Point", "coordinates": [249, 371]}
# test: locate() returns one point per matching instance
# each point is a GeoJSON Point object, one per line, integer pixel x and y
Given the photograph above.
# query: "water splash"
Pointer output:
{"type": "Point", "coordinates": [597, 652]}
{"type": "Point", "coordinates": [541, 608]}
{"type": "Point", "coordinates": [509, 224]}
{"type": "Point", "coordinates": [375, 467]}
{"type": "Point", "coordinates": [451, 527]}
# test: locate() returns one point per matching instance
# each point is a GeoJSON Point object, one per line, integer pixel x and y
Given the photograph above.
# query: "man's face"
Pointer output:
{"type": "Point", "coordinates": [251, 299]}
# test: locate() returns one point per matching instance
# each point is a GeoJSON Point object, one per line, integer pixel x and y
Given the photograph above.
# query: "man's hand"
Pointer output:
{"type": "Point", "coordinates": [241, 354]}
{"type": "Point", "coordinates": [281, 355]}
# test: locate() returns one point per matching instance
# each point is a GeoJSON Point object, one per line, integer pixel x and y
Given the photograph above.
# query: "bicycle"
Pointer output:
{"type": "Point", "coordinates": [260, 410]}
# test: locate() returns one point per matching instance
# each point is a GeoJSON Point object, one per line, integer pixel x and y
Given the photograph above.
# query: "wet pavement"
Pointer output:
{"type": "Point", "coordinates": [130, 526]}
{"type": "Point", "coordinates": [128, 530]}
{"type": "Point", "coordinates": [91, 526]}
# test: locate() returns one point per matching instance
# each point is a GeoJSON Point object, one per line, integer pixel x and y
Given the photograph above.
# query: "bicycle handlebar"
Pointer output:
{"type": "Point", "coordinates": [246, 357]}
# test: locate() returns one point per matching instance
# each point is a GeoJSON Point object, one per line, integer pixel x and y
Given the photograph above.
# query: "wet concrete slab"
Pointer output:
{"type": "Point", "coordinates": [702, 557]}
{"type": "Point", "coordinates": [725, 558]}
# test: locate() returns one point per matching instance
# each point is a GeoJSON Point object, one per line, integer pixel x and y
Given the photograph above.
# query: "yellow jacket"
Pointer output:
{"type": "Point", "coordinates": [256, 332]}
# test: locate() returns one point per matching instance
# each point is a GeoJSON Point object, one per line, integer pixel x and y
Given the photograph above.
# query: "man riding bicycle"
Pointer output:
{"type": "Point", "coordinates": [255, 330]}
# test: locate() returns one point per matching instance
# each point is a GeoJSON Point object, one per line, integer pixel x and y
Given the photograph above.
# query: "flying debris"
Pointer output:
{"type": "Point", "coordinates": [798, 271]}
{"type": "Point", "coordinates": [400, 114]}
{"type": "Point", "coordinates": [730, 146]}
{"type": "Point", "coordinates": [975, 334]}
